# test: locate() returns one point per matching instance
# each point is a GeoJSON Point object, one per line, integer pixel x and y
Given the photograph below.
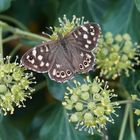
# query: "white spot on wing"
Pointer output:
{"type": "Point", "coordinates": [32, 61]}
{"type": "Point", "coordinates": [92, 33]}
{"type": "Point", "coordinates": [87, 46]}
{"type": "Point", "coordinates": [47, 64]}
{"type": "Point", "coordinates": [75, 35]}
{"type": "Point", "coordinates": [46, 48]}
{"type": "Point", "coordinates": [40, 57]}
{"type": "Point", "coordinates": [88, 41]}
{"type": "Point", "coordinates": [81, 54]}
{"type": "Point", "coordinates": [58, 65]}
{"type": "Point", "coordinates": [85, 36]}
{"type": "Point", "coordinates": [84, 28]}
{"type": "Point", "coordinates": [94, 38]}
{"type": "Point", "coordinates": [34, 52]}
{"type": "Point", "coordinates": [42, 64]}
{"type": "Point", "coordinates": [54, 72]}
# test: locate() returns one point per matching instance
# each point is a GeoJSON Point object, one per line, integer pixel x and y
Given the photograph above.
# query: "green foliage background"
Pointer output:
{"type": "Point", "coordinates": [44, 118]}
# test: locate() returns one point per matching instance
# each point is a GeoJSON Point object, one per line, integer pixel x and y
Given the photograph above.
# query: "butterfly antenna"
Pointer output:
{"type": "Point", "coordinates": [49, 29]}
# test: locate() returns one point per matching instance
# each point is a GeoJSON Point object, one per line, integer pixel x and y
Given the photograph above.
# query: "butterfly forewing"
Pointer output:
{"type": "Point", "coordinates": [41, 57]}
{"type": "Point", "coordinates": [86, 36]}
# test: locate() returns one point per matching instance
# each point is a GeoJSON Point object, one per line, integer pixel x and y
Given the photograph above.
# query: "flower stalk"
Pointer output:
{"type": "Point", "coordinates": [21, 33]}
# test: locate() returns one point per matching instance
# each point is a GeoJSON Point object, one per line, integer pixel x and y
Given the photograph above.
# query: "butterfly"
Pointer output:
{"type": "Point", "coordinates": [65, 56]}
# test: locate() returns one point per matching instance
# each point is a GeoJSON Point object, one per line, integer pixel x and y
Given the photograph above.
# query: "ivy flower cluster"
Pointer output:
{"type": "Point", "coordinates": [66, 26]}
{"type": "Point", "coordinates": [116, 54]}
{"type": "Point", "coordinates": [14, 85]}
{"type": "Point", "coordinates": [89, 105]}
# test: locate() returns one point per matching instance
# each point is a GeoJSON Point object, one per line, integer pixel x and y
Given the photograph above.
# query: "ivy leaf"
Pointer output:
{"type": "Point", "coordinates": [4, 5]}
{"type": "Point", "coordinates": [137, 2]}
{"type": "Point", "coordinates": [133, 81]}
{"type": "Point", "coordinates": [8, 131]}
{"type": "Point", "coordinates": [52, 123]}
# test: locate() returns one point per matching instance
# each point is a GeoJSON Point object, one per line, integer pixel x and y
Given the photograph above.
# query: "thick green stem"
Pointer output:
{"type": "Point", "coordinates": [1, 45]}
{"type": "Point", "coordinates": [21, 33]}
{"type": "Point", "coordinates": [124, 122]}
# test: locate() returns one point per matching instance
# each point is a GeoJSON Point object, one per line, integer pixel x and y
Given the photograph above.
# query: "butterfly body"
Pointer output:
{"type": "Point", "coordinates": [66, 56]}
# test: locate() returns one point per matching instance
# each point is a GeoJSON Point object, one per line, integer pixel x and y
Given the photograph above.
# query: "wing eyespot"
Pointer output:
{"type": "Point", "coordinates": [90, 30]}
{"type": "Point", "coordinates": [30, 57]}
{"type": "Point", "coordinates": [81, 66]}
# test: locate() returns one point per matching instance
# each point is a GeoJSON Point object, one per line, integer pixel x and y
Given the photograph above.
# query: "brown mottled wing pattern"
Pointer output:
{"type": "Point", "coordinates": [67, 56]}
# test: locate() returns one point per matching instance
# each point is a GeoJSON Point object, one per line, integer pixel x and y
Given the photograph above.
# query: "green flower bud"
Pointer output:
{"type": "Point", "coordinates": [84, 87]}
{"type": "Point", "coordinates": [85, 95]}
{"type": "Point", "coordinates": [74, 98]}
{"type": "Point", "coordinates": [74, 118]}
{"type": "Point", "coordinates": [3, 88]}
{"type": "Point", "coordinates": [88, 117]}
{"type": "Point", "coordinates": [79, 106]}
{"type": "Point", "coordinates": [91, 105]}
{"type": "Point", "coordinates": [99, 111]}
{"type": "Point", "coordinates": [118, 38]}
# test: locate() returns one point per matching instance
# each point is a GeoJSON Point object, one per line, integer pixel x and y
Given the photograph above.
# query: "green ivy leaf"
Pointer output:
{"type": "Point", "coordinates": [4, 5]}
{"type": "Point", "coordinates": [132, 83]}
{"type": "Point", "coordinates": [137, 2]}
{"type": "Point", "coordinates": [9, 132]}
{"type": "Point", "coordinates": [52, 124]}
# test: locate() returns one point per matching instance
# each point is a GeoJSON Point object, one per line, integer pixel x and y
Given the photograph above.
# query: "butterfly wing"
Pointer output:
{"type": "Point", "coordinates": [81, 42]}
{"type": "Point", "coordinates": [62, 69]}
{"type": "Point", "coordinates": [40, 58]}
{"type": "Point", "coordinates": [49, 57]}
{"type": "Point", "coordinates": [86, 36]}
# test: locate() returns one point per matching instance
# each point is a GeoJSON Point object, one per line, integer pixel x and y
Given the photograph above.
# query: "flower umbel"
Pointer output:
{"type": "Point", "coordinates": [14, 85]}
{"type": "Point", "coordinates": [65, 26]}
{"type": "Point", "coordinates": [89, 105]}
{"type": "Point", "coordinates": [116, 54]}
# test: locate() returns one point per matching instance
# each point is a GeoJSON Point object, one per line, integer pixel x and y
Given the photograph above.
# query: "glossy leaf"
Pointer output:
{"type": "Point", "coordinates": [4, 5]}
{"type": "Point", "coordinates": [137, 2]}
{"type": "Point", "coordinates": [52, 124]}
{"type": "Point", "coordinates": [9, 132]}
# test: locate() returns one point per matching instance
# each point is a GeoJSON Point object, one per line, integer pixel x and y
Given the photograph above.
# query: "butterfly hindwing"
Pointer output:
{"type": "Point", "coordinates": [62, 70]}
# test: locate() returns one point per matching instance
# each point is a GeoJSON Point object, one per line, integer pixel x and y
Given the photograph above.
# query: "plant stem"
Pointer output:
{"type": "Point", "coordinates": [1, 46]}
{"type": "Point", "coordinates": [12, 20]}
{"type": "Point", "coordinates": [124, 102]}
{"type": "Point", "coordinates": [22, 33]}
{"type": "Point", "coordinates": [16, 48]}
{"type": "Point", "coordinates": [124, 122]}
{"type": "Point", "coordinates": [132, 124]}
{"type": "Point", "coordinates": [12, 37]}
